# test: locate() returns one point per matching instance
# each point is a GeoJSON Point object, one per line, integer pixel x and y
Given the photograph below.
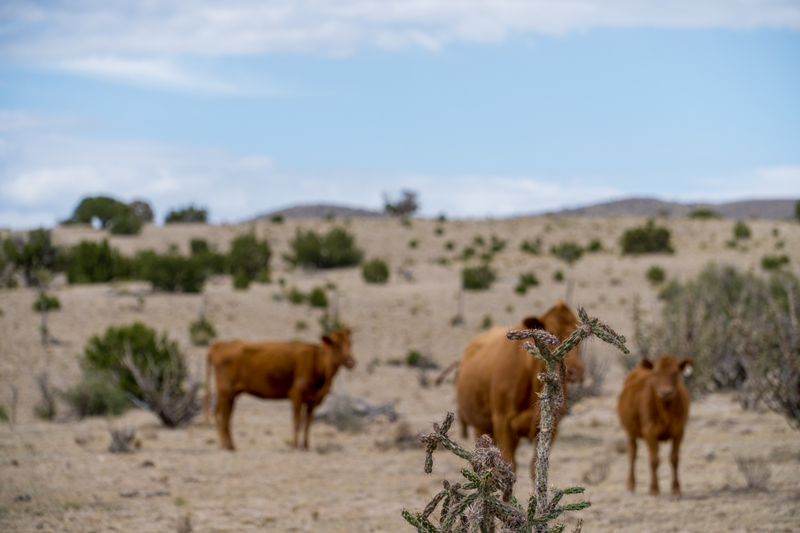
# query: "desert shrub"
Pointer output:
{"type": "Point", "coordinates": [413, 243]}
{"type": "Point", "coordinates": [201, 332]}
{"type": "Point", "coordinates": [774, 262]}
{"type": "Point", "coordinates": [249, 255]}
{"type": "Point", "coordinates": [212, 261]}
{"type": "Point", "coordinates": [477, 278]}
{"type": "Point", "coordinates": [241, 280]}
{"type": "Point", "coordinates": [467, 253]}
{"type": "Point", "coordinates": [106, 353]}
{"type": "Point", "coordinates": [704, 213]}
{"type": "Point", "coordinates": [4, 413]}
{"type": "Point", "coordinates": [170, 272]}
{"type": "Point", "coordinates": [438, 231]}
{"type": "Point", "coordinates": [46, 409]}
{"type": "Point", "coordinates": [405, 206]}
{"type": "Point", "coordinates": [33, 255]}
{"type": "Point", "coordinates": [417, 359]}
{"type": "Point", "coordinates": [741, 230]}
{"type": "Point", "coordinates": [296, 296]}
{"type": "Point", "coordinates": [317, 297]}
{"type": "Point", "coordinates": [375, 271]}
{"type": "Point", "coordinates": [655, 275]}
{"type": "Point", "coordinates": [449, 245]}
{"type": "Point", "coordinates": [595, 245]}
{"type": "Point", "coordinates": [97, 394]}
{"type": "Point", "coordinates": [125, 224]}
{"type": "Point", "coordinates": [646, 239]}
{"type": "Point", "coordinates": [496, 244]}
{"type": "Point", "coordinates": [532, 247]}
{"type": "Point", "coordinates": [46, 302]}
{"type": "Point", "coordinates": [487, 321]}
{"type": "Point", "coordinates": [186, 214]}
{"type": "Point", "coordinates": [334, 249]}
{"type": "Point", "coordinates": [567, 251]}
{"type": "Point", "coordinates": [755, 470]}
{"type": "Point", "coordinates": [277, 218]}
{"type": "Point", "coordinates": [526, 279]}
{"type": "Point", "coordinates": [93, 262]}
{"type": "Point", "coordinates": [558, 276]}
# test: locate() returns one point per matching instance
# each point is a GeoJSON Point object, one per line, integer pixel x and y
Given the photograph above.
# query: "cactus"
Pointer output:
{"type": "Point", "coordinates": [487, 496]}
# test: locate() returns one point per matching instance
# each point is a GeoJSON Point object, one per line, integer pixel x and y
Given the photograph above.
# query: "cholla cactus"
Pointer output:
{"type": "Point", "coordinates": [487, 497]}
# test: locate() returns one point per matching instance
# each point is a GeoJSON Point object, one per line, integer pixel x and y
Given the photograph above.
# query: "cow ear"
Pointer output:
{"type": "Point", "coordinates": [646, 363]}
{"type": "Point", "coordinates": [327, 341]}
{"type": "Point", "coordinates": [533, 322]}
{"type": "Point", "coordinates": [687, 366]}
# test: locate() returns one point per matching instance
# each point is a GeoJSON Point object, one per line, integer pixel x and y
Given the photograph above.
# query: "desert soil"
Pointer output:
{"type": "Point", "coordinates": [357, 481]}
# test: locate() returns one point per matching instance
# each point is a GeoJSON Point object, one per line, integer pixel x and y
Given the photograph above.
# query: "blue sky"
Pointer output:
{"type": "Point", "coordinates": [483, 108]}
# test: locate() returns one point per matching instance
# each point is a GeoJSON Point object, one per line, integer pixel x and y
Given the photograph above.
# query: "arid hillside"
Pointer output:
{"type": "Point", "coordinates": [60, 476]}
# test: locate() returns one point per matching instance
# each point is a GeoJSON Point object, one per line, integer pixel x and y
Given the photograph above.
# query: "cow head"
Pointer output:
{"type": "Point", "coordinates": [561, 321]}
{"type": "Point", "coordinates": [665, 373]}
{"type": "Point", "coordinates": [339, 343]}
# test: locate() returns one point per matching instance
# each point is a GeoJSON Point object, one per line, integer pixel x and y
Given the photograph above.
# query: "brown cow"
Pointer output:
{"type": "Point", "coordinates": [275, 370]}
{"type": "Point", "coordinates": [497, 383]}
{"type": "Point", "coordinates": [654, 406]}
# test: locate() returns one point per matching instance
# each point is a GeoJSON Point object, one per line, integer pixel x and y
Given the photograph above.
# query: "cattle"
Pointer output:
{"type": "Point", "coordinates": [654, 406]}
{"type": "Point", "coordinates": [298, 371]}
{"type": "Point", "coordinates": [497, 381]}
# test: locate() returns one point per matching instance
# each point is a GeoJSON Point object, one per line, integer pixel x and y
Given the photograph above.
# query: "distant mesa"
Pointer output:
{"type": "Point", "coordinates": [322, 211]}
{"type": "Point", "coordinates": [650, 207]}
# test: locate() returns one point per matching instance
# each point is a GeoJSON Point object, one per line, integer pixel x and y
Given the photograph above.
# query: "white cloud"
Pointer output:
{"type": "Point", "coordinates": [88, 34]}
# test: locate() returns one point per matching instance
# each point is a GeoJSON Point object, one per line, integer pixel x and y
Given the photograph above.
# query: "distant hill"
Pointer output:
{"type": "Point", "coordinates": [650, 207]}
{"type": "Point", "coordinates": [322, 211]}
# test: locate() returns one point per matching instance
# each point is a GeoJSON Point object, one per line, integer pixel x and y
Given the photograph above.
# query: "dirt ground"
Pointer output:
{"type": "Point", "coordinates": [352, 481]}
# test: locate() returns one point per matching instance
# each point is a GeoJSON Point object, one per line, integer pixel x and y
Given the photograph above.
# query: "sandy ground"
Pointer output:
{"type": "Point", "coordinates": [347, 482]}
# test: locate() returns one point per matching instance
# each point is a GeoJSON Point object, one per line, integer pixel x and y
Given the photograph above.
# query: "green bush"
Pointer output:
{"type": "Point", "coordinates": [449, 245]}
{"type": "Point", "coordinates": [334, 249]}
{"type": "Point", "coordinates": [741, 230]}
{"type": "Point", "coordinates": [487, 321]}
{"type": "Point", "coordinates": [646, 239]}
{"type": "Point", "coordinates": [595, 245]}
{"type": "Point", "coordinates": [241, 280]}
{"type": "Point", "coordinates": [527, 279]}
{"type": "Point", "coordinates": [126, 224]}
{"type": "Point", "coordinates": [250, 255]}
{"type": "Point", "coordinates": [33, 255]}
{"type": "Point", "coordinates": [375, 271]}
{"type": "Point", "coordinates": [438, 231]}
{"type": "Point", "coordinates": [212, 261]}
{"type": "Point", "coordinates": [317, 297]}
{"type": "Point", "coordinates": [774, 262]}
{"type": "Point", "coordinates": [199, 246]}
{"type": "Point", "coordinates": [567, 251]}
{"type": "Point", "coordinates": [413, 243]}
{"type": "Point", "coordinates": [704, 213]}
{"type": "Point", "coordinates": [417, 359]}
{"type": "Point", "coordinates": [201, 332]}
{"type": "Point", "coordinates": [93, 262]}
{"type": "Point", "coordinates": [296, 296]}
{"type": "Point", "coordinates": [3, 413]}
{"type": "Point", "coordinates": [558, 276]}
{"type": "Point", "coordinates": [277, 218]}
{"type": "Point", "coordinates": [48, 302]}
{"type": "Point", "coordinates": [656, 275]}
{"type": "Point", "coordinates": [477, 278]}
{"type": "Point", "coordinates": [97, 394]}
{"type": "Point", "coordinates": [170, 272]}
{"type": "Point", "coordinates": [187, 214]}
{"type": "Point", "coordinates": [532, 247]}
{"type": "Point", "coordinates": [496, 244]}
{"type": "Point", "coordinates": [106, 353]}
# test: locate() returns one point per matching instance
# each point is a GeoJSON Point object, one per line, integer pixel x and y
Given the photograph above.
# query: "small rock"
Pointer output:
{"type": "Point", "coordinates": [709, 455]}
{"type": "Point", "coordinates": [129, 494]}
{"type": "Point", "coordinates": [159, 492]}
{"type": "Point", "coordinates": [146, 464]}
{"type": "Point", "coordinates": [22, 498]}
{"type": "Point", "coordinates": [745, 431]}
{"type": "Point", "coordinates": [14, 462]}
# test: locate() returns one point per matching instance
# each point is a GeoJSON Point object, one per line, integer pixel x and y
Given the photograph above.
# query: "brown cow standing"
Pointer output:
{"type": "Point", "coordinates": [497, 382]}
{"type": "Point", "coordinates": [275, 370]}
{"type": "Point", "coordinates": [654, 406]}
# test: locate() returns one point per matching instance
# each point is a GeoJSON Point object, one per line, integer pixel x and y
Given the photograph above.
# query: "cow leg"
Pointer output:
{"type": "Point", "coordinates": [222, 416]}
{"type": "Point", "coordinates": [652, 446]}
{"type": "Point", "coordinates": [506, 439]}
{"type": "Point", "coordinates": [297, 407]}
{"type": "Point", "coordinates": [309, 418]}
{"type": "Point", "coordinates": [673, 457]}
{"type": "Point", "coordinates": [631, 463]}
